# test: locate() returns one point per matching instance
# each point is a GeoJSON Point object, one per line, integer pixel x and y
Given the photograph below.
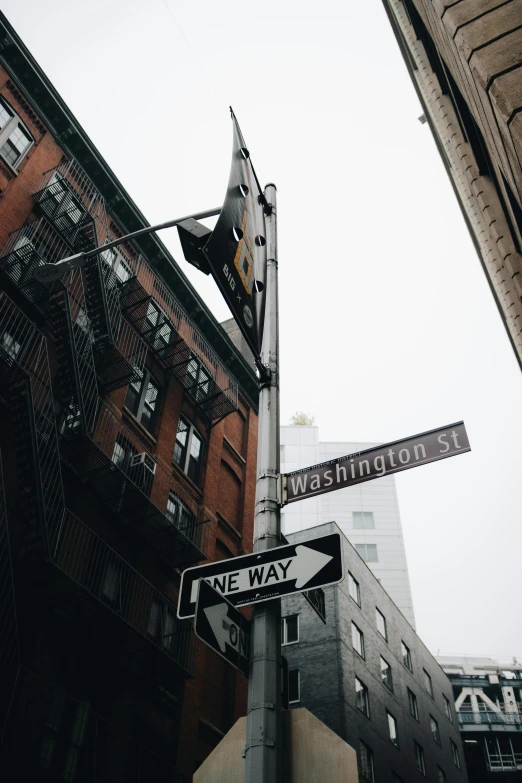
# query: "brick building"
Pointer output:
{"type": "Point", "coordinates": [368, 677]}
{"type": "Point", "coordinates": [128, 446]}
{"type": "Point", "coordinates": [465, 61]}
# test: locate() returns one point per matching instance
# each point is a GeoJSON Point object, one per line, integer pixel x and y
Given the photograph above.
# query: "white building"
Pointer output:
{"type": "Point", "coordinates": [368, 513]}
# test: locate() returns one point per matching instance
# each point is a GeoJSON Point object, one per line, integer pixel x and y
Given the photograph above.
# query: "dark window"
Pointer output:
{"type": "Point", "coordinates": [393, 730]}
{"type": "Point", "coordinates": [406, 656]}
{"type": "Point", "coordinates": [290, 629]}
{"type": "Point", "coordinates": [181, 516]}
{"type": "Point", "coordinates": [123, 454]}
{"type": "Point", "coordinates": [419, 758]}
{"type": "Point", "coordinates": [363, 519]}
{"type": "Point", "coordinates": [447, 708]}
{"type": "Point", "coordinates": [396, 778]}
{"type": "Point", "coordinates": [362, 697]}
{"type": "Point", "coordinates": [188, 450]}
{"type": "Point", "coordinates": [366, 763]}
{"type": "Point", "coordinates": [428, 683]}
{"type": "Point", "coordinates": [380, 620]}
{"type": "Point", "coordinates": [15, 139]}
{"type": "Point", "coordinates": [357, 640]}
{"type": "Point", "coordinates": [386, 674]}
{"type": "Point", "coordinates": [412, 701]}
{"type": "Point", "coordinates": [455, 754]}
{"type": "Point", "coordinates": [441, 775]}
{"type": "Point", "coordinates": [198, 379]}
{"type": "Point", "coordinates": [354, 589]}
{"type": "Point", "coordinates": [294, 686]}
{"type": "Point", "coordinates": [368, 552]}
{"type": "Point", "coordinates": [158, 330]}
{"type": "Point", "coordinates": [142, 398]}
{"type": "Point", "coordinates": [435, 733]}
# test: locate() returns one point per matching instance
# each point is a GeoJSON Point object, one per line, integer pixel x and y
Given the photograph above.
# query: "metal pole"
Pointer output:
{"type": "Point", "coordinates": [263, 745]}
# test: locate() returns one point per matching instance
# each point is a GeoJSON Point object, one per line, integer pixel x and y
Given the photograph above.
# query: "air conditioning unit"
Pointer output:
{"type": "Point", "coordinates": [145, 460]}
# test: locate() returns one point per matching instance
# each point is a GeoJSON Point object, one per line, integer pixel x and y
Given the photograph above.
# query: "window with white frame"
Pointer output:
{"type": "Point", "coordinates": [393, 731]}
{"type": "Point", "coordinates": [290, 629]}
{"type": "Point", "coordinates": [362, 697]}
{"type": "Point", "coordinates": [188, 450]}
{"type": "Point", "coordinates": [386, 673]}
{"type": "Point", "coordinates": [114, 258]}
{"type": "Point", "coordinates": [142, 398]}
{"type": "Point", "coordinates": [380, 621]}
{"type": "Point", "coordinates": [357, 640]}
{"type": "Point", "coordinates": [406, 656]}
{"type": "Point", "coordinates": [363, 520]}
{"type": "Point", "coordinates": [354, 589]}
{"type": "Point", "coordinates": [15, 139]}
{"type": "Point", "coordinates": [294, 686]}
{"type": "Point", "coordinates": [368, 552]}
{"type": "Point", "coordinates": [434, 727]}
{"type": "Point", "coordinates": [158, 329]}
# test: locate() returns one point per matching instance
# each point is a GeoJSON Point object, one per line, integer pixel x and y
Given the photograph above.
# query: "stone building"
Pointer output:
{"type": "Point", "coordinates": [368, 677]}
{"type": "Point", "coordinates": [465, 61]}
{"type": "Point", "coordinates": [128, 431]}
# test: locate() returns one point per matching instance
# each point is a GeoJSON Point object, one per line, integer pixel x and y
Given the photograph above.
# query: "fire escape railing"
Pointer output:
{"type": "Point", "coordinates": [116, 462]}
{"type": "Point", "coordinates": [171, 335]}
{"type": "Point", "coordinates": [490, 717]}
{"type": "Point", "coordinates": [98, 569]}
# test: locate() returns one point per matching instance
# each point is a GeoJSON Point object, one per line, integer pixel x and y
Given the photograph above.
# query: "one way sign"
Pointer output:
{"type": "Point", "coordinates": [263, 576]}
{"type": "Point", "coordinates": [222, 627]}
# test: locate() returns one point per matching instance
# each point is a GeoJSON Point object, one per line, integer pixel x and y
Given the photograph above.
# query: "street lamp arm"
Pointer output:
{"type": "Point", "coordinates": [49, 272]}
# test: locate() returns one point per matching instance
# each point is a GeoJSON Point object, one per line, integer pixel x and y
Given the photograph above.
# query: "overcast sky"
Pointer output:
{"type": "Point", "coordinates": [388, 327]}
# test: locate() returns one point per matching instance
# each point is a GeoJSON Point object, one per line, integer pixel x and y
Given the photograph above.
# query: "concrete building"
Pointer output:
{"type": "Point", "coordinates": [465, 60]}
{"type": "Point", "coordinates": [488, 705]}
{"type": "Point", "coordinates": [369, 678]}
{"type": "Point", "coordinates": [128, 432]}
{"type": "Point", "coordinates": [368, 514]}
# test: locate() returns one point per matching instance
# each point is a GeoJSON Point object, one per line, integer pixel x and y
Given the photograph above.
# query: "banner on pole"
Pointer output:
{"type": "Point", "coordinates": [235, 251]}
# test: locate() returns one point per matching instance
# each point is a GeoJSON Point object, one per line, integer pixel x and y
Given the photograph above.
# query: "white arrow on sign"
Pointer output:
{"type": "Point", "coordinates": [302, 567]}
{"type": "Point", "coordinates": [224, 629]}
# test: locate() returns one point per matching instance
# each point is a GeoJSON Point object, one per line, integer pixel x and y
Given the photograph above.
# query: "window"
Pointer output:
{"type": "Point", "coordinates": [357, 640]}
{"type": "Point", "coordinates": [162, 625]}
{"type": "Point", "coordinates": [181, 516]}
{"type": "Point", "coordinates": [123, 453]}
{"type": "Point", "coordinates": [447, 708]}
{"type": "Point", "coordinates": [158, 330]}
{"type": "Point", "coordinates": [368, 552]}
{"type": "Point", "coordinates": [142, 397]}
{"type": "Point", "coordinates": [412, 701]}
{"type": "Point", "coordinates": [396, 778]}
{"type": "Point", "coordinates": [110, 586]}
{"type": "Point", "coordinates": [380, 620]}
{"type": "Point", "coordinates": [363, 519]}
{"type": "Point", "coordinates": [441, 775]}
{"type": "Point", "coordinates": [354, 589]}
{"type": "Point", "coordinates": [365, 763]}
{"type": "Point", "coordinates": [386, 674]}
{"type": "Point", "coordinates": [198, 379]}
{"type": "Point", "coordinates": [392, 729]}
{"type": "Point", "coordinates": [455, 754]}
{"type": "Point", "coordinates": [362, 697]}
{"type": "Point", "coordinates": [15, 139]}
{"type": "Point", "coordinates": [115, 259]}
{"type": "Point", "coordinates": [428, 683]}
{"type": "Point", "coordinates": [290, 629]}
{"type": "Point", "coordinates": [435, 733]}
{"type": "Point", "coordinates": [294, 686]}
{"type": "Point", "coordinates": [10, 344]}
{"type": "Point", "coordinates": [188, 450]}
{"type": "Point", "coordinates": [406, 656]}
{"type": "Point", "coordinates": [419, 758]}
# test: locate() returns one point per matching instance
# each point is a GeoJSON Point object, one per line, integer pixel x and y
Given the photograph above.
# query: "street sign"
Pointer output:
{"type": "Point", "coordinates": [375, 462]}
{"type": "Point", "coordinates": [263, 576]}
{"type": "Point", "coordinates": [316, 599]}
{"type": "Point", "coordinates": [222, 627]}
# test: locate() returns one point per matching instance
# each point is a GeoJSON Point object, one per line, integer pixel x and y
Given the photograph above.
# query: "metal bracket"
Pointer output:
{"type": "Point", "coordinates": [265, 375]}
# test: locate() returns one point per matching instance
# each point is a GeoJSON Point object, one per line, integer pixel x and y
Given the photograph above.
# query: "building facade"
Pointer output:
{"type": "Point", "coordinates": [488, 704]}
{"type": "Point", "coordinates": [128, 444]}
{"type": "Point", "coordinates": [368, 677]}
{"type": "Point", "coordinates": [465, 61]}
{"type": "Point", "coordinates": [368, 514]}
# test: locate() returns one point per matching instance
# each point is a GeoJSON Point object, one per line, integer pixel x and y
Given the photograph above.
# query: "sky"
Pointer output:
{"type": "Point", "coordinates": [387, 324]}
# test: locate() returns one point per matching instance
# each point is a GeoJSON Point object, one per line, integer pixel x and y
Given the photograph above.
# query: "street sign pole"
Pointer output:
{"type": "Point", "coordinates": [263, 743]}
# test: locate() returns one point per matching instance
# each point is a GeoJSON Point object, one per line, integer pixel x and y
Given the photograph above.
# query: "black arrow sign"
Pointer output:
{"type": "Point", "coordinates": [222, 627]}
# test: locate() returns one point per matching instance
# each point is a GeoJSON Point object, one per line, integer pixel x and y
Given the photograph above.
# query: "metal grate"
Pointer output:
{"type": "Point", "coordinates": [138, 491]}
{"type": "Point", "coordinates": [99, 570]}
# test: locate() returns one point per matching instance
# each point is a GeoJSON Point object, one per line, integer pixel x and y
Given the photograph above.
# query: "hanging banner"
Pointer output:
{"type": "Point", "coordinates": [235, 252]}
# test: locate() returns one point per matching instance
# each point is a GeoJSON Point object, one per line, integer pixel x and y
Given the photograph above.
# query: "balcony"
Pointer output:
{"type": "Point", "coordinates": [52, 737]}
{"type": "Point", "coordinates": [488, 718]}
{"type": "Point", "coordinates": [71, 203]}
{"type": "Point", "coordinates": [116, 462]}
{"type": "Point", "coordinates": [121, 591]}
{"type": "Point", "coordinates": [170, 334]}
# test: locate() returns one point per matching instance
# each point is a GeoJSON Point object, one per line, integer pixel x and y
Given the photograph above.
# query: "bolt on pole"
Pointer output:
{"type": "Point", "coordinates": [263, 731]}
